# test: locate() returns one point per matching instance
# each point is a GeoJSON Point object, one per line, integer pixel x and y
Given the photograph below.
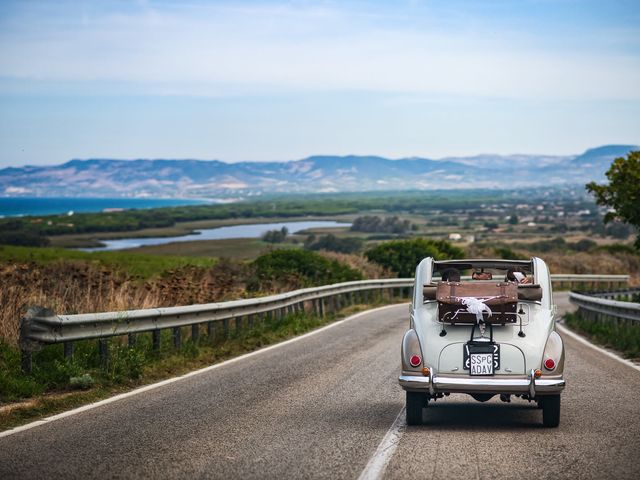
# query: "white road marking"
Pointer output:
{"type": "Point", "coordinates": [153, 386]}
{"type": "Point", "coordinates": [380, 459]}
{"type": "Point", "coordinates": [581, 339]}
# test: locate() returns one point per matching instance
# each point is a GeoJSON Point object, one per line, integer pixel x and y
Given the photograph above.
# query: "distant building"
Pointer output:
{"type": "Point", "coordinates": [456, 237]}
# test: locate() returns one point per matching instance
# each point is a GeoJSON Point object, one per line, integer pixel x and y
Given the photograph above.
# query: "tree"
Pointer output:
{"type": "Point", "coordinates": [622, 194]}
{"type": "Point", "coordinates": [402, 256]}
{"type": "Point", "coordinates": [334, 244]}
{"type": "Point", "coordinates": [298, 268]}
{"type": "Point", "coordinates": [275, 236]}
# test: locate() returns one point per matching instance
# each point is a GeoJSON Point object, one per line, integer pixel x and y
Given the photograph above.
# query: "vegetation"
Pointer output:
{"type": "Point", "coordinates": [332, 243]}
{"type": "Point", "coordinates": [132, 264]}
{"type": "Point", "coordinates": [298, 268]}
{"type": "Point", "coordinates": [71, 382]}
{"type": "Point", "coordinates": [622, 194]}
{"type": "Point", "coordinates": [12, 234]}
{"type": "Point", "coordinates": [622, 335]}
{"type": "Point", "coordinates": [375, 224]}
{"type": "Point", "coordinates": [290, 206]}
{"type": "Point", "coordinates": [275, 236]}
{"type": "Point", "coordinates": [402, 256]}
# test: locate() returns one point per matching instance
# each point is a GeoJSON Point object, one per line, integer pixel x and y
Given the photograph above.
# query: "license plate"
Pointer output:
{"type": "Point", "coordinates": [481, 364]}
{"type": "Point", "coordinates": [481, 358]}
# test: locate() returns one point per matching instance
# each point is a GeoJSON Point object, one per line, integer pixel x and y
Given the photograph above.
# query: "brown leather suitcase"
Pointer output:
{"type": "Point", "coordinates": [500, 297]}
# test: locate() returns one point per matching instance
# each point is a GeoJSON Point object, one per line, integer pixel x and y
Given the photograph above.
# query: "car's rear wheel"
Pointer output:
{"type": "Point", "coordinates": [416, 401]}
{"type": "Point", "coordinates": [551, 410]}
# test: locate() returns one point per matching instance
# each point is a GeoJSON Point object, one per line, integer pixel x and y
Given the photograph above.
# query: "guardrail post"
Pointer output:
{"type": "Point", "coordinates": [225, 327]}
{"type": "Point", "coordinates": [211, 330]}
{"type": "Point", "coordinates": [177, 337]}
{"type": "Point", "coordinates": [155, 340]}
{"type": "Point", "coordinates": [132, 339]}
{"type": "Point", "coordinates": [26, 361]}
{"type": "Point", "coordinates": [68, 350]}
{"type": "Point", "coordinates": [251, 321]}
{"type": "Point", "coordinates": [238, 321]}
{"type": "Point", "coordinates": [103, 349]}
{"type": "Point", "coordinates": [195, 332]}
{"type": "Point", "coordinates": [321, 307]}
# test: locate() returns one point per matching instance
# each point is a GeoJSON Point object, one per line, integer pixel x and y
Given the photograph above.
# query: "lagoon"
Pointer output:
{"type": "Point", "coordinates": [255, 230]}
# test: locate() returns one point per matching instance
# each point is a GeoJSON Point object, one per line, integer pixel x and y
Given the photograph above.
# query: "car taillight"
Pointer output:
{"type": "Point", "coordinates": [552, 355]}
{"type": "Point", "coordinates": [415, 360]}
{"type": "Point", "coordinates": [549, 364]}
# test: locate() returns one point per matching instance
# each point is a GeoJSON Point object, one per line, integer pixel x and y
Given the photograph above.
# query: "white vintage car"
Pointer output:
{"type": "Point", "coordinates": [484, 336]}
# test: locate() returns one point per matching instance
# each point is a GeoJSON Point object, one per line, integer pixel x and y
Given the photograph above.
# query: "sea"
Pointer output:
{"type": "Point", "coordinates": [24, 206]}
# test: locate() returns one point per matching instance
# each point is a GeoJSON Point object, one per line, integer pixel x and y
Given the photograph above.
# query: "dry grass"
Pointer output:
{"type": "Point", "coordinates": [358, 262]}
{"type": "Point", "coordinates": [69, 287]}
{"type": "Point", "coordinates": [595, 263]}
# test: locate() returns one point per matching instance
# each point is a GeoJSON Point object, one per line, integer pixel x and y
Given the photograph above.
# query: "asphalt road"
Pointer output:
{"type": "Point", "coordinates": [319, 407]}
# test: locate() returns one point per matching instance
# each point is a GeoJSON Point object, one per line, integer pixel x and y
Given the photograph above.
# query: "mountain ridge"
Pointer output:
{"type": "Point", "coordinates": [318, 173]}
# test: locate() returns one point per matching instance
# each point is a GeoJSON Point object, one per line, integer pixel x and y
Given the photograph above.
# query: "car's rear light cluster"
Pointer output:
{"type": "Point", "coordinates": [552, 352]}
{"type": "Point", "coordinates": [415, 360]}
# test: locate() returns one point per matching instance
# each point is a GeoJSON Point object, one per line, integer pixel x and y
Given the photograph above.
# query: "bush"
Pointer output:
{"type": "Point", "coordinates": [617, 248]}
{"type": "Point", "coordinates": [299, 268]}
{"type": "Point", "coordinates": [402, 256]}
{"type": "Point", "coordinates": [275, 236]}
{"type": "Point", "coordinates": [583, 245]}
{"type": "Point", "coordinates": [508, 254]}
{"type": "Point", "coordinates": [334, 244]}
{"type": "Point", "coordinates": [23, 239]}
{"type": "Point", "coordinates": [375, 224]}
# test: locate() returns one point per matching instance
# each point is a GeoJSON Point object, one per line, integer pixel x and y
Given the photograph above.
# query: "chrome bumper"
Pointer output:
{"type": "Point", "coordinates": [465, 384]}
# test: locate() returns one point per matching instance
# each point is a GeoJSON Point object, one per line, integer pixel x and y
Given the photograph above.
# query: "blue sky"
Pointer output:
{"type": "Point", "coordinates": [283, 80]}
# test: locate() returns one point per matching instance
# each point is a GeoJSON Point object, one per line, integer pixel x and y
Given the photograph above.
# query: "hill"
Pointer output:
{"type": "Point", "coordinates": [214, 178]}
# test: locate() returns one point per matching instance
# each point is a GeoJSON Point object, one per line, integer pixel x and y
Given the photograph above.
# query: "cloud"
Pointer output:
{"type": "Point", "coordinates": [226, 49]}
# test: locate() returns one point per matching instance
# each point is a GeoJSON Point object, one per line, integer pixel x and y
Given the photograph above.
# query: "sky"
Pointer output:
{"type": "Point", "coordinates": [274, 80]}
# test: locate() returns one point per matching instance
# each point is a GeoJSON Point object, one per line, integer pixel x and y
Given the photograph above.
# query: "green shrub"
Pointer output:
{"type": "Point", "coordinates": [617, 248]}
{"type": "Point", "coordinates": [334, 244]}
{"type": "Point", "coordinates": [83, 382]}
{"type": "Point", "coordinates": [299, 267]}
{"type": "Point", "coordinates": [402, 256]}
{"type": "Point", "coordinates": [508, 254]}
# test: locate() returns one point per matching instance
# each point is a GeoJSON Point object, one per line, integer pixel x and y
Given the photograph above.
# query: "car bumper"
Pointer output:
{"type": "Point", "coordinates": [513, 384]}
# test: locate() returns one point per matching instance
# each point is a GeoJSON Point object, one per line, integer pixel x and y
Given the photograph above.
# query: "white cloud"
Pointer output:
{"type": "Point", "coordinates": [225, 49]}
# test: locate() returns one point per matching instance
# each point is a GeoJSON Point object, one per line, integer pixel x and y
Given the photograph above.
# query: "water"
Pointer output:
{"type": "Point", "coordinates": [22, 206]}
{"type": "Point", "coordinates": [255, 230]}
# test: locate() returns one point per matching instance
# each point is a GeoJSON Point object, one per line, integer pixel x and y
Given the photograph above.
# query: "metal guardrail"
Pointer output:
{"type": "Point", "coordinates": [595, 306]}
{"type": "Point", "coordinates": [42, 326]}
{"type": "Point", "coordinates": [625, 294]}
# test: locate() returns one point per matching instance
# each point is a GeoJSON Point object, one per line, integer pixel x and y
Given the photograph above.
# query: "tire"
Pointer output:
{"type": "Point", "coordinates": [551, 411]}
{"type": "Point", "coordinates": [416, 401]}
